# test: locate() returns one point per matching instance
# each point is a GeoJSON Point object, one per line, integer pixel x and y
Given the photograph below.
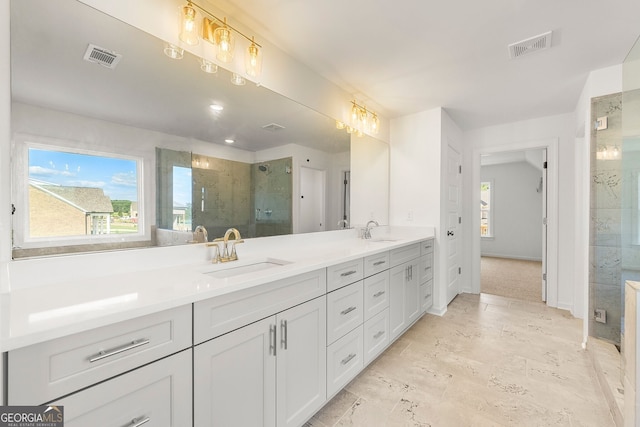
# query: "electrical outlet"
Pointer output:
{"type": "Point", "coordinates": [600, 315]}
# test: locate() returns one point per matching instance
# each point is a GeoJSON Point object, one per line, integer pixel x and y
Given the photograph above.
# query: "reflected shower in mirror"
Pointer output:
{"type": "Point", "coordinates": [150, 101]}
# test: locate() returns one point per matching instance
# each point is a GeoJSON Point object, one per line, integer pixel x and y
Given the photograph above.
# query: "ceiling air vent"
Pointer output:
{"type": "Point", "coordinates": [273, 127]}
{"type": "Point", "coordinates": [104, 57]}
{"type": "Point", "coordinates": [530, 45]}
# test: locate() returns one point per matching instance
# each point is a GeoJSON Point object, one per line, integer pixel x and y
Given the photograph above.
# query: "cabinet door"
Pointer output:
{"type": "Point", "coordinates": [158, 394]}
{"type": "Point", "coordinates": [234, 377]}
{"type": "Point", "coordinates": [397, 279]}
{"type": "Point", "coordinates": [412, 293]}
{"type": "Point", "coordinates": [301, 363]}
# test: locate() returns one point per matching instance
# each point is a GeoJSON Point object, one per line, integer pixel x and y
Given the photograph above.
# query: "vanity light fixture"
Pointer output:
{"type": "Point", "coordinates": [362, 120]}
{"type": "Point", "coordinates": [218, 32]}
{"type": "Point", "coordinates": [188, 25]}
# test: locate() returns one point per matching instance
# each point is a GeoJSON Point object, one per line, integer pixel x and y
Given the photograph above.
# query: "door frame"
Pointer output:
{"type": "Point", "coordinates": [551, 145]}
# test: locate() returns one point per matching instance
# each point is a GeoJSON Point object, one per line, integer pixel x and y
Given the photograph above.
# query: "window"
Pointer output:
{"type": "Point", "coordinates": [68, 197]}
{"type": "Point", "coordinates": [485, 209]}
{"type": "Point", "coordinates": [182, 198]}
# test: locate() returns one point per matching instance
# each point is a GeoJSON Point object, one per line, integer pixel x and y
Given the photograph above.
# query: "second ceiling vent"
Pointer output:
{"type": "Point", "coordinates": [530, 45]}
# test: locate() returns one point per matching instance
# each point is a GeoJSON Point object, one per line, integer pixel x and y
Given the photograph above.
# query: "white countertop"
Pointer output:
{"type": "Point", "coordinates": [58, 296]}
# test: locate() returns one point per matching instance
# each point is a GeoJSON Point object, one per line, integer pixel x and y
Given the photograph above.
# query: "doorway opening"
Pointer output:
{"type": "Point", "coordinates": [512, 211]}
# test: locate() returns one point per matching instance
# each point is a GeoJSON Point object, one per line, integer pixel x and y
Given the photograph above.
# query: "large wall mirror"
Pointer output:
{"type": "Point", "coordinates": [134, 150]}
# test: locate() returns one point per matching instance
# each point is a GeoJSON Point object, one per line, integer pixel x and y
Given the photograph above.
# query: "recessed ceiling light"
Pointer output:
{"type": "Point", "coordinates": [229, 141]}
{"type": "Point", "coordinates": [216, 107]}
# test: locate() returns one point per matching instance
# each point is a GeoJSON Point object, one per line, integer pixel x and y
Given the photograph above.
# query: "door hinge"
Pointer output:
{"type": "Point", "coordinates": [544, 221]}
{"type": "Point", "coordinates": [13, 209]}
{"type": "Point", "coordinates": [544, 276]}
{"type": "Point", "coordinates": [459, 270]}
{"type": "Point", "coordinates": [459, 168]}
{"type": "Point", "coordinates": [459, 220]}
{"type": "Point", "coordinates": [544, 165]}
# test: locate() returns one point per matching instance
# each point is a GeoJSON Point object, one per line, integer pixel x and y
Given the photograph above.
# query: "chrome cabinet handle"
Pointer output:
{"type": "Point", "coordinates": [347, 310]}
{"type": "Point", "coordinates": [379, 263]}
{"type": "Point", "coordinates": [283, 340]}
{"type": "Point", "coordinates": [348, 273]}
{"type": "Point", "coordinates": [137, 422]}
{"type": "Point", "coordinates": [104, 354]}
{"type": "Point", "coordinates": [347, 359]}
{"type": "Point", "coordinates": [377, 294]}
{"type": "Point", "coordinates": [272, 339]}
{"type": "Point", "coordinates": [378, 335]}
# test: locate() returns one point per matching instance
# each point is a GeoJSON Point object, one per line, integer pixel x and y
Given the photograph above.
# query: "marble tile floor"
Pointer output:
{"type": "Point", "coordinates": [489, 361]}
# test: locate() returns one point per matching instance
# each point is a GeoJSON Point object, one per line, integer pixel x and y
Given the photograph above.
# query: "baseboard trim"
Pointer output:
{"type": "Point", "coordinates": [521, 258]}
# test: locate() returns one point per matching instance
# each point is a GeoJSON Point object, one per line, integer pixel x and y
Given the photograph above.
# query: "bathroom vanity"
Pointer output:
{"type": "Point", "coordinates": [175, 340]}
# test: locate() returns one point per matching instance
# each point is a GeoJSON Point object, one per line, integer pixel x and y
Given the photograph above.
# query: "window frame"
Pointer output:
{"type": "Point", "coordinates": [20, 199]}
{"type": "Point", "coordinates": [490, 214]}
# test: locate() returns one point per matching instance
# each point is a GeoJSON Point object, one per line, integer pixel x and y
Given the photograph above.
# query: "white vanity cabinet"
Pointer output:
{"type": "Point", "coordinates": [271, 372]}
{"type": "Point", "coordinates": [404, 304]}
{"type": "Point", "coordinates": [46, 371]}
{"type": "Point", "coordinates": [158, 394]}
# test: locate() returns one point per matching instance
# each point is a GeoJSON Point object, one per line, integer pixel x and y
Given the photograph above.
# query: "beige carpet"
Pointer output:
{"type": "Point", "coordinates": [512, 278]}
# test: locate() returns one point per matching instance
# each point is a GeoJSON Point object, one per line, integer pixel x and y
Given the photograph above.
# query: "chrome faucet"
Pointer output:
{"type": "Point", "coordinates": [200, 230]}
{"type": "Point", "coordinates": [344, 223]}
{"type": "Point", "coordinates": [226, 255]}
{"type": "Point", "coordinates": [366, 234]}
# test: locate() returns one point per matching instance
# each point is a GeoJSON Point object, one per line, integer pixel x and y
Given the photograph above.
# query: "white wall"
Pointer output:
{"type": "Point", "coordinates": [369, 181]}
{"type": "Point", "coordinates": [516, 209]}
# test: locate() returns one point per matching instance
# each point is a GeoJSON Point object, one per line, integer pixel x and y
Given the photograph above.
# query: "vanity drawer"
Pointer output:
{"type": "Point", "coordinates": [374, 264]}
{"type": "Point", "coordinates": [376, 294]}
{"type": "Point", "coordinates": [426, 247]}
{"type": "Point", "coordinates": [158, 394]}
{"type": "Point", "coordinates": [343, 274]}
{"type": "Point", "coordinates": [43, 372]}
{"type": "Point", "coordinates": [376, 335]}
{"type": "Point", "coordinates": [426, 295]}
{"type": "Point", "coordinates": [344, 310]}
{"type": "Point", "coordinates": [219, 315]}
{"type": "Point", "coordinates": [344, 361]}
{"type": "Point", "coordinates": [404, 254]}
{"type": "Point", "coordinates": [426, 268]}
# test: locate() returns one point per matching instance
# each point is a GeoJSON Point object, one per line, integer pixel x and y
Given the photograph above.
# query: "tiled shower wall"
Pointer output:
{"type": "Point", "coordinates": [605, 255]}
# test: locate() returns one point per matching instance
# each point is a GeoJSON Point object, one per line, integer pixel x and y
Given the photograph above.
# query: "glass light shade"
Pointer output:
{"type": "Point", "coordinates": [355, 114]}
{"type": "Point", "coordinates": [208, 66]}
{"type": "Point", "coordinates": [340, 125]}
{"type": "Point", "coordinates": [188, 25]}
{"type": "Point", "coordinates": [253, 60]}
{"type": "Point", "coordinates": [225, 42]}
{"type": "Point", "coordinates": [375, 124]}
{"type": "Point", "coordinates": [173, 52]}
{"type": "Point", "coordinates": [238, 80]}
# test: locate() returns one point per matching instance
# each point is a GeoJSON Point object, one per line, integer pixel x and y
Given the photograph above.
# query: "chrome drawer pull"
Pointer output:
{"type": "Point", "coordinates": [104, 354]}
{"type": "Point", "coordinates": [137, 422]}
{"type": "Point", "coordinates": [377, 294]}
{"type": "Point", "coordinates": [379, 263]}
{"type": "Point", "coordinates": [378, 335]}
{"type": "Point", "coordinates": [347, 310]}
{"type": "Point", "coordinates": [272, 339]}
{"type": "Point", "coordinates": [348, 273]}
{"type": "Point", "coordinates": [284, 340]}
{"type": "Point", "coordinates": [347, 359]}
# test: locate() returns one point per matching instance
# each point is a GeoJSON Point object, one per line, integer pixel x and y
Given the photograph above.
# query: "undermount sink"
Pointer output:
{"type": "Point", "coordinates": [231, 270]}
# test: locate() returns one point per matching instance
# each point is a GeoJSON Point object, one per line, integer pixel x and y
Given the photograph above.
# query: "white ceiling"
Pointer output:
{"type": "Point", "coordinates": [406, 56]}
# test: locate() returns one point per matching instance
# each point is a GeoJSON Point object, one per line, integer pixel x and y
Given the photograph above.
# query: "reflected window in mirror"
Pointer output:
{"type": "Point", "coordinates": [182, 202]}
{"type": "Point", "coordinates": [68, 197]}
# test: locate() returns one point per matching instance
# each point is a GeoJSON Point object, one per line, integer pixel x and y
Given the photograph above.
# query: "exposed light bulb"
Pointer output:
{"type": "Point", "coordinates": [188, 25]}
{"type": "Point", "coordinates": [253, 60]}
{"type": "Point", "coordinates": [225, 41]}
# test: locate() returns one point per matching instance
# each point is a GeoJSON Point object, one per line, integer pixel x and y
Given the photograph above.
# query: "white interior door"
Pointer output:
{"type": "Point", "coordinates": [312, 203]}
{"type": "Point", "coordinates": [453, 238]}
{"type": "Point", "coordinates": [544, 225]}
